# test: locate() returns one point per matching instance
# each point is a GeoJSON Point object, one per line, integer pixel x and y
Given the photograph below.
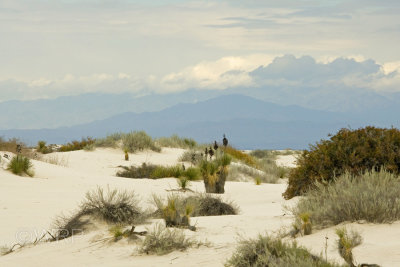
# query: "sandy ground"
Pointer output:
{"type": "Point", "coordinates": [28, 206]}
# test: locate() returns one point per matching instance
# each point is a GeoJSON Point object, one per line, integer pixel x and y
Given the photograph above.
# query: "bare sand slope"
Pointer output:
{"type": "Point", "coordinates": [28, 206]}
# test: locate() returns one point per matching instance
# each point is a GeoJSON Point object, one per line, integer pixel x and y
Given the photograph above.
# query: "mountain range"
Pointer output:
{"type": "Point", "coordinates": [248, 122]}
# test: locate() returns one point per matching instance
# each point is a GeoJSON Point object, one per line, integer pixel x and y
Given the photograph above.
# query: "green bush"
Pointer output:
{"type": "Point", "coordinates": [77, 145]}
{"type": "Point", "coordinates": [20, 165]}
{"type": "Point", "coordinates": [353, 151]}
{"type": "Point", "coordinates": [144, 171]}
{"type": "Point", "coordinates": [138, 141]}
{"type": "Point", "coordinates": [43, 148]}
{"type": "Point", "coordinates": [273, 252]}
{"type": "Point", "coordinates": [176, 141]}
{"type": "Point", "coordinates": [164, 172]}
{"type": "Point", "coordinates": [373, 197]}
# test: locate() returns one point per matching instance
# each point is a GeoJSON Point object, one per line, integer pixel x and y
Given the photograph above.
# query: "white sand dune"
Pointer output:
{"type": "Point", "coordinates": [28, 206]}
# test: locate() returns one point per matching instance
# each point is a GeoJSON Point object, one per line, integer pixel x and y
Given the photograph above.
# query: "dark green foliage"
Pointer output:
{"type": "Point", "coordinates": [20, 165]}
{"type": "Point", "coordinates": [373, 197]}
{"type": "Point", "coordinates": [273, 252]}
{"type": "Point", "coordinates": [77, 145]}
{"type": "Point", "coordinates": [143, 171]}
{"type": "Point", "coordinates": [353, 151]}
{"type": "Point", "coordinates": [155, 172]}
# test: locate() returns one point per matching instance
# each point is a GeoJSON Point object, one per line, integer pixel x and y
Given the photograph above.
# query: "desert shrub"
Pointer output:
{"type": "Point", "coordinates": [167, 171]}
{"type": "Point", "coordinates": [353, 151]}
{"type": "Point", "coordinates": [192, 156]}
{"type": "Point", "coordinates": [258, 153]}
{"type": "Point", "coordinates": [56, 159]}
{"type": "Point", "coordinates": [89, 147]}
{"type": "Point", "coordinates": [214, 173]}
{"type": "Point", "coordinates": [346, 243]}
{"type": "Point", "coordinates": [144, 171]}
{"type": "Point", "coordinates": [174, 215]}
{"type": "Point", "coordinates": [243, 172]}
{"type": "Point", "coordinates": [109, 141]}
{"type": "Point", "coordinates": [77, 145]}
{"type": "Point", "coordinates": [192, 174]}
{"type": "Point", "coordinates": [20, 165]}
{"type": "Point", "coordinates": [112, 206]}
{"type": "Point", "coordinates": [161, 241]}
{"type": "Point", "coordinates": [201, 204]}
{"type": "Point", "coordinates": [9, 145]}
{"type": "Point", "coordinates": [138, 141]}
{"type": "Point", "coordinates": [43, 148]}
{"type": "Point", "coordinates": [273, 252]}
{"type": "Point", "coordinates": [176, 141]}
{"type": "Point", "coordinates": [239, 155]}
{"type": "Point", "coordinates": [373, 197]}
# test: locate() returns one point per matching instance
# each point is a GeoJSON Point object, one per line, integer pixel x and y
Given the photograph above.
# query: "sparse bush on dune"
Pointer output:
{"type": "Point", "coordinates": [273, 252]}
{"type": "Point", "coordinates": [346, 243]}
{"type": "Point", "coordinates": [192, 156]}
{"type": "Point", "coordinates": [201, 204]}
{"type": "Point", "coordinates": [138, 141]}
{"type": "Point", "coordinates": [77, 145]}
{"type": "Point", "coordinates": [20, 165]}
{"type": "Point", "coordinates": [43, 148]}
{"type": "Point", "coordinates": [239, 155]}
{"type": "Point", "coordinates": [161, 241]}
{"type": "Point", "coordinates": [112, 206]}
{"type": "Point", "coordinates": [373, 197]}
{"type": "Point", "coordinates": [109, 141]}
{"type": "Point", "coordinates": [176, 141]}
{"type": "Point", "coordinates": [353, 151]}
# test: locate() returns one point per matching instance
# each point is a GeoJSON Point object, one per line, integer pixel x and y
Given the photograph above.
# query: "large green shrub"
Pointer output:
{"type": "Point", "coordinates": [353, 151]}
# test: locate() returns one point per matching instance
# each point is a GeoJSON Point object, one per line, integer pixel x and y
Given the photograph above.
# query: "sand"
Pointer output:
{"type": "Point", "coordinates": [28, 206]}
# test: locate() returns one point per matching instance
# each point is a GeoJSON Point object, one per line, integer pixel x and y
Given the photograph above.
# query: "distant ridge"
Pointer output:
{"type": "Point", "coordinates": [250, 123]}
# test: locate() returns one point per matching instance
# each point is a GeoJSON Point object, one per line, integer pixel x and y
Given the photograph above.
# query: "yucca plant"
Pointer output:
{"type": "Point", "coordinates": [214, 174]}
{"type": "Point", "coordinates": [183, 183]}
{"type": "Point", "coordinates": [346, 243]}
{"type": "Point", "coordinates": [20, 165]}
{"type": "Point", "coordinates": [306, 223]}
{"type": "Point", "coordinates": [126, 154]}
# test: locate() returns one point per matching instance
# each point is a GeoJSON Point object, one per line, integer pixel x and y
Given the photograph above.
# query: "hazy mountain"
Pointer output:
{"type": "Point", "coordinates": [249, 123]}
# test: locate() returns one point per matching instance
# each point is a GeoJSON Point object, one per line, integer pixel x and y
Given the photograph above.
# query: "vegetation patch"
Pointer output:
{"type": "Point", "coordinates": [20, 165]}
{"type": "Point", "coordinates": [177, 142]}
{"type": "Point", "coordinates": [239, 155]}
{"type": "Point", "coordinates": [77, 145]}
{"type": "Point", "coordinates": [373, 197]}
{"type": "Point", "coordinates": [214, 173]}
{"type": "Point", "coordinates": [273, 252]}
{"type": "Point", "coordinates": [113, 207]}
{"type": "Point", "coordinates": [353, 151]}
{"type": "Point", "coordinates": [138, 141]}
{"type": "Point", "coordinates": [161, 241]}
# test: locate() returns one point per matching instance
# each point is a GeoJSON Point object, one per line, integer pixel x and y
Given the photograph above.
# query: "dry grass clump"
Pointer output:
{"type": "Point", "coordinates": [138, 141]}
{"type": "Point", "coordinates": [354, 151]}
{"type": "Point", "coordinates": [176, 141]}
{"type": "Point", "coordinates": [9, 145]}
{"type": "Point", "coordinates": [112, 206]}
{"type": "Point", "coordinates": [273, 252]}
{"type": "Point", "coordinates": [161, 241]}
{"type": "Point", "coordinates": [77, 145]}
{"type": "Point", "coordinates": [20, 165]}
{"type": "Point", "coordinates": [241, 172]}
{"type": "Point", "coordinates": [239, 155]}
{"type": "Point", "coordinates": [43, 148]}
{"type": "Point", "coordinates": [373, 197]}
{"type": "Point", "coordinates": [192, 156]}
{"type": "Point", "coordinates": [201, 205]}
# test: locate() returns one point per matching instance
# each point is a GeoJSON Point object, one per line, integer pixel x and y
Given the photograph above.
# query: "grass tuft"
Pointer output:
{"type": "Point", "coordinates": [161, 241]}
{"type": "Point", "coordinates": [20, 165]}
{"type": "Point", "coordinates": [138, 141]}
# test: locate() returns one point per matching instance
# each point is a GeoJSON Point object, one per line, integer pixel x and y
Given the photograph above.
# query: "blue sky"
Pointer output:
{"type": "Point", "coordinates": [54, 48]}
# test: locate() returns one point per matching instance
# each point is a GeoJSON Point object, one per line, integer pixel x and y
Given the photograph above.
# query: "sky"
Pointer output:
{"type": "Point", "coordinates": [59, 47]}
